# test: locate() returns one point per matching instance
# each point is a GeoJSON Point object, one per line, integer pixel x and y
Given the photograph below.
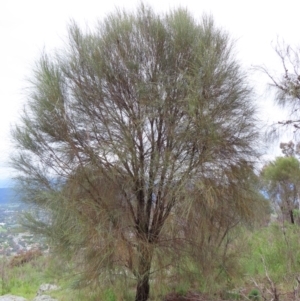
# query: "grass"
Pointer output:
{"type": "Point", "coordinates": [23, 280]}
{"type": "Point", "coordinates": [271, 251]}
{"type": "Point", "coordinates": [274, 248]}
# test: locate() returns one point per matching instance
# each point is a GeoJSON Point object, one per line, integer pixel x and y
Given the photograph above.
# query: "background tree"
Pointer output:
{"type": "Point", "coordinates": [289, 149]}
{"type": "Point", "coordinates": [282, 179]}
{"type": "Point", "coordinates": [286, 85]}
{"type": "Point", "coordinates": [135, 138]}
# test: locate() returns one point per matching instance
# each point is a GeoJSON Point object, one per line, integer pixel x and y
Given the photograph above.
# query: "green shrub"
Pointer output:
{"type": "Point", "coordinates": [109, 295]}
{"type": "Point", "coordinates": [254, 295]}
{"type": "Point", "coordinates": [275, 248]}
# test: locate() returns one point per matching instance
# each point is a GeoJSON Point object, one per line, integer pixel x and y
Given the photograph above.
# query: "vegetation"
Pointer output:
{"type": "Point", "coordinates": [139, 141]}
{"type": "Point", "coordinates": [23, 280]}
{"type": "Point", "coordinates": [264, 259]}
{"type": "Point", "coordinates": [286, 86]}
{"type": "Point", "coordinates": [138, 150]}
{"type": "Point", "coordinates": [281, 180]}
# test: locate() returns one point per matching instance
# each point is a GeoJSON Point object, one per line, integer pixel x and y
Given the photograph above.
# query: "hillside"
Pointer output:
{"type": "Point", "coordinates": [8, 195]}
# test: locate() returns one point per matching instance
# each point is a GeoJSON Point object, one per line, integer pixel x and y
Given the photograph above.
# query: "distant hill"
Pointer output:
{"type": "Point", "coordinates": [8, 195]}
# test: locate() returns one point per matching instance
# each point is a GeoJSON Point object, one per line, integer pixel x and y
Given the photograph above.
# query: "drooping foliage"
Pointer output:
{"type": "Point", "coordinates": [139, 140]}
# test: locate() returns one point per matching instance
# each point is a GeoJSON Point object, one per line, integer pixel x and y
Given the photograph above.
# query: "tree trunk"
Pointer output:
{"type": "Point", "coordinates": [142, 289]}
{"type": "Point", "coordinates": [143, 286]}
{"type": "Point", "coordinates": [292, 217]}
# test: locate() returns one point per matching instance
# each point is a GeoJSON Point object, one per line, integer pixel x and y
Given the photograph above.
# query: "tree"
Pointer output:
{"type": "Point", "coordinates": [281, 178]}
{"type": "Point", "coordinates": [289, 149]}
{"type": "Point", "coordinates": [135, 138]}
{"type": "Point", "coordinates": [287, 85]}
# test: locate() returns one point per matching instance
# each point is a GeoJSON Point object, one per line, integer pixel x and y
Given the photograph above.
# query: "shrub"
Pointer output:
{"type": "Point", "coordinates": [254, 295]}
{"type": "Point", "coordinates": [24, 257]}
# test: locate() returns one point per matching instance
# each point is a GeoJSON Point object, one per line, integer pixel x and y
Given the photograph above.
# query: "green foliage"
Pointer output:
{"type": "Point", "coordinates": [139, 140]}
{"type": "Point", "coordinates": [278, 246]}
{"type": "Point", "coordinates": [254, 295]}
{"type": "Point", "coordinates": [296, 212]}
{"type": "Point", "coordinates": [109, 295]}
{"type": "Point", "coordinates": [282, 169]}
{"type": "Point", "coordinates": [273, 250]}
{"type": "Point", "coordinates": [23, 280]}
{"type": "Point", "coordinates": [281, 179]}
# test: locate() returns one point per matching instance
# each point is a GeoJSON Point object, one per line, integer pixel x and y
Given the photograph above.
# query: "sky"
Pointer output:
{"type": "Point", "coordinates": [29, 27]}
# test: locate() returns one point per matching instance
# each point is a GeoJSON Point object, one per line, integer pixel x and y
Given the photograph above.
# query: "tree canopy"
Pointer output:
{"type": "Point", "coordinates": [139, 138]}
{"type": "Point", "coordinates": [281, 178]}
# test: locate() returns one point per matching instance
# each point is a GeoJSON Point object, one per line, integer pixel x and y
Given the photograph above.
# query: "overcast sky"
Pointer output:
{"type": "Point", "coordinates": [29, 26]}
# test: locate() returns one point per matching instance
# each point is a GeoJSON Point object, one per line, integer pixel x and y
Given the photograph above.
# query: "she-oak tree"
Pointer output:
{"type": "Point", "coordinates": [136, 136]}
